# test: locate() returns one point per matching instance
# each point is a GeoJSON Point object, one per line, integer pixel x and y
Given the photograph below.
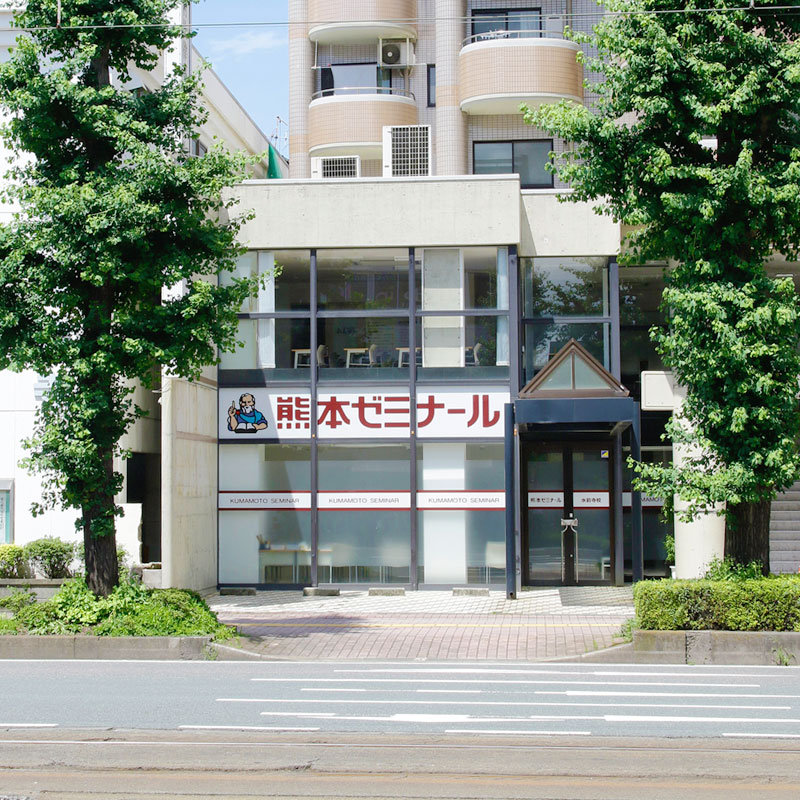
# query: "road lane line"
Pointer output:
{"type": "Point", "coordinates": [356, 701]}
{"type": "Point", "coordinates": [28, 725]}
{"type": "Point", "coordinates": [315, 714]}
{"type": "Point", "coordinates": [440, 691]}
{"type": "Point", "coordinates": [241, 728]}
{"type": "Point", "coordinates": [332, 689]}
{"type": "Point", "coordinates": [517, 733]}
{"type": "Point", "coordinates": [656, 718]}
{"type": "Point", "coordinates": [726, 685]}
{"type": "Point", "coordinates": [587, 693]}
{"type": "Point", "coordinates": [763, 735]}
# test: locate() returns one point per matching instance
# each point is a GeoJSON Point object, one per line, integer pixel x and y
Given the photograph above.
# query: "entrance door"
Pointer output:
{"type": "Point", "coordinates": [568, 527]}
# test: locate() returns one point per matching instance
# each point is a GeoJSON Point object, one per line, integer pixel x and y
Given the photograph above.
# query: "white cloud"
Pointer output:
{"type": "Point", "coordinates": [242, 44]}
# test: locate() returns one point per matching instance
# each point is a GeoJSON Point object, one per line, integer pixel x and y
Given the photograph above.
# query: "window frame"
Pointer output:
{"type": "Point", "coordinates": [504, 12]}
{"type": "Point", "coordinates": [431, 86]}
{"type": "Point", "coordinates": [513, 142]}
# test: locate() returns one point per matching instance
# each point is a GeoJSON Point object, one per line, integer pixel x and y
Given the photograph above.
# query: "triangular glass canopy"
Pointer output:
{"type": "Point", "coordinates": [574, 372]}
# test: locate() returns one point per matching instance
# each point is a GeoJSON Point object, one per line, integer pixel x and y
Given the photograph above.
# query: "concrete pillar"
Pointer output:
{"type": "Point", "coordinates": [301, 62]}
{"type": "Point", "coordinates": [699, 542]}
{"type": "Point", "coordinates": [451, 126]}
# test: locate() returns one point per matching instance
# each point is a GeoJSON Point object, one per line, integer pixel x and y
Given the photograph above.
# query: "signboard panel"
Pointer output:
{"type": "Point", "coordinates": [267, 501]}
{"type": "Point", "coordinates": [253, 414]}
{"type": "Point", "coordinates": [545, 499]}
{"type": "Point", "coordinates": [647, 501]}
{"type": "Point", "coordinates": [5, 516]}
{"type": "Point", "coordinates": [430, 501]}
{"type": "Point", "coordinates": [364, 501]}
{"type": "Point", "coordinates": [590, 500]}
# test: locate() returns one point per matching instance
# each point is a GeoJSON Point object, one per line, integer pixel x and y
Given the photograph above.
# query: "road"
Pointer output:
{"type": "Point", "coordinates": [366, 729]}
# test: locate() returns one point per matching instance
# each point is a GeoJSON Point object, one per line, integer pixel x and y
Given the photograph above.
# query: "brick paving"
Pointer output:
{"type": "Point", "coordinates": [542, 624]}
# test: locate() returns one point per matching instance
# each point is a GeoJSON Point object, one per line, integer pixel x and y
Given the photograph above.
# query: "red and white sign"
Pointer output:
{"type": "Point", "coordinates": [647, 501]}
{"type": "Point", "coordinates": [430, 501]}
{"type": "Point", "coordinates": [545, 499]}
{"type": "Point", "coordinates": [257, 501]}
{"type": "Point", "coordinates": [256, 414]}
{"type": "Point", "coordinates": [590, 500]}
{"type": "Point", "coordinates": [364, 501]}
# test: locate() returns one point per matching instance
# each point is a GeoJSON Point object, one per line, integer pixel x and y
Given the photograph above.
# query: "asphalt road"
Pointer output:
{"type": "Point", "coordinates": [558, 700]}
{"type": "Point", "coordinates": [131, 730]}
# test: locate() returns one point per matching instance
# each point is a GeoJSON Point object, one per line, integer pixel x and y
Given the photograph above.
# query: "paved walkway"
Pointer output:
{"type": "Point", "coordinates": [541, 624]}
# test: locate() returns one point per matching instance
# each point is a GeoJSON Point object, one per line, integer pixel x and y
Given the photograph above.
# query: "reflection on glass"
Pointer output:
{"type": "Point", "coordinates": [461, 546]}
{"type": "Point", "coordinates": [590, 473]}
{"type": "Point", "coordinates": [363, 348]}
{"type": "Point", "coordinates": [368, 545]}
{"type": "Point", "coordinates": [359, 280]}
{"type": "Point", "coordinates": [265, 546]}
{"type": "Point", "coordinates": [288, 287]}
{"type": "Point", "coordinates": [467, 278]}
{"type": "Point", "coordinates": [640, 290]}
{"type": "Point", "coordinates": [272, 344]}
{"type": "Point", "coordinates": [565, 287]}
{"type": "Point", "coordinates": [478, 346]}
{"type": "Point", "coordinates": [546, 479]}
{"type": "Point", "coordinates": [544, 339]}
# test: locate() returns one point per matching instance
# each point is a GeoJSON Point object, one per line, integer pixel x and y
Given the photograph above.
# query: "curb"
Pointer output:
{"type": "Point", "coordinates": [106, 648]}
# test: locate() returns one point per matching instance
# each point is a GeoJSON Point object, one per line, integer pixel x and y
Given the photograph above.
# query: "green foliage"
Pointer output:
{"type": "Point", "coordinates": [765, 604]}
{"type": "Point", "coordinates": [17, 600]}
{"type": "Point", "coordinates": [50, 556]}
{"type": "Point", "coordinates": [8, 626]}
{"type": "Point", "coordinates": [122, 558]}
{"type": "Point", "coordinates": [726, 569]}
{"type": "Point", "coordinates": [669, 548]}
{"type": "Point", "coordinates": [112, 210]}
{"type": "Point", "coordinates": [627, 628]}
{"type": "Point", "coordinates": [130, 610]}
{"type": "Point", "coordinates": [12, 561]}
{"type": "Point", "coordinates": [671, 81]}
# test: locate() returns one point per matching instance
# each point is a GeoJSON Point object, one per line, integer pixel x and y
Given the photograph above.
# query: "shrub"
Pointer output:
{"type": "Point", "coordinates": [130, 610]}
{"type": "Point", "coordinates": [50, 556]}
{"type": "Point", "coordinates": [12, 561]}
{"type": "Point", "coordinates": [7, 626]}
{"type": "Point", "coordinates": [765, 604]}
{"type": "Point", "coordinates": [17, 600]}
{"type": "Point", "coordinates": [122, 559]}
{"type": "Point", "coordinates": [726, 569]}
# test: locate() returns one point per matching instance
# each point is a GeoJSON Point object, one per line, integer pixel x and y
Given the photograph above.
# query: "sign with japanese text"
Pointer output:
{"type": "Point", "coordinates": [267, 501]}
{"type": "Point", "coordinates": [590, 500]}
{"type": "Point", "coordinates": [436, 501]}
{"type": "Point", "coordinates": [257, 414]}
{"type": "Point", "coordinates": [545, 499]}
{"type": "Point", "coordinates": [647, 501]}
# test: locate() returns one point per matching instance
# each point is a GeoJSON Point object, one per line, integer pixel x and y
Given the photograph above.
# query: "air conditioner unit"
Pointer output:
{"type": "Point", "coordinates": [395, 53]}
{"type": "Point", "coordinates": [336, 167]}
{"type": "Point", "coordinates": [406, 151]}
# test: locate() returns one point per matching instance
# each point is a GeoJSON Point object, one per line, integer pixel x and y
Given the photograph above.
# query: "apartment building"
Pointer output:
{"type": "Point", "coordinates": [442, 383]}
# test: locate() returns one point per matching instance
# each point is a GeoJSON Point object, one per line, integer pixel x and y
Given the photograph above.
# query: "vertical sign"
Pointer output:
{"type": "Point", "coordinates": [5, 516]}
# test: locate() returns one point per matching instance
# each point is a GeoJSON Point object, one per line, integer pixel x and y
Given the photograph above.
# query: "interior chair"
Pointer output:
{"type": "Point", "coordinates": [322, 355]}
{"type": "Point", "coordinates": [476, 354]}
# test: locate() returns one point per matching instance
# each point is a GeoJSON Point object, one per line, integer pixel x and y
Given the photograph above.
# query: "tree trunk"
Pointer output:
{"type": "Point", "coordinates": [102, 571]}
{"type": "Point", "coordinates": [747, 533]}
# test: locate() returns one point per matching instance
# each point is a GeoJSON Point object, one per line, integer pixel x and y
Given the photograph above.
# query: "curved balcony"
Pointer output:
{"type": "Point", "coordinates": [349, 121]}
{"type": "Point", "coordinates": [500, 70]}
{"type": "Point", "coordinates": [361, 21]}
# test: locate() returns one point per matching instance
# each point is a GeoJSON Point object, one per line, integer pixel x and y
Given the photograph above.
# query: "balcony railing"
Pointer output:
{"type": "Point", "coordinates": [490, 36]}
{"type": "Point", "coordinates": [363, 90]}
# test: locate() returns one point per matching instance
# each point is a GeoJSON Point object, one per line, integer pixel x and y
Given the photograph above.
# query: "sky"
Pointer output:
{"type": "Point", "coordinates": [251, 60]}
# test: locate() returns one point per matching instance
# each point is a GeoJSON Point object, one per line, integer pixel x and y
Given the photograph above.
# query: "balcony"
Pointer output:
{"type": "Point", "coordinates": [361, 21]}
{"type": "Point", "coordinates": [501, 69]}
{"type": "Point", "coordinates": [349, 120]}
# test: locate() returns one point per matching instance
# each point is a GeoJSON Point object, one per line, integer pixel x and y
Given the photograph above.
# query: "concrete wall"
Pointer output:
{"type": "Point", "coordinates": [189, 483]}
{"type": "Point", "coordinates": [390, 212]}
{"type": "Point", "coordinates": [550, 227]}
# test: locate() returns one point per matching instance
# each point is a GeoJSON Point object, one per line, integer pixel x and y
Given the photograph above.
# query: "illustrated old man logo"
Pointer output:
{"type": "Point", "coordinates": [247, 418]}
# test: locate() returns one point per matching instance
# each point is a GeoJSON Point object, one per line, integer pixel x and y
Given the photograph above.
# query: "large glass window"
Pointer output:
{"type": "Point", "coordinates": [563, 299]}
{"type": "Point", "coordinates": [363, 348]}
{"type": "Point", "coordinates": [264, 521]}
{"type": "Point", "coordinates": [279, 345]}
{"type": "Point", "coordinates": [640, 290]}
{"type": "Point", "coordinates": [466, 542]}
{"type": "Point", "coordinates": [362, 280]}
{"type": "Point", "coordinates": [492, 22]}
{"type": "Point", "coordinates": [527, 158]}
{"type": "Point", "coordinates": [362, 539]}
{"type": "Point", "coordinates": [287, 287]}
{"type": "Point", "coordinates": [369, 77]}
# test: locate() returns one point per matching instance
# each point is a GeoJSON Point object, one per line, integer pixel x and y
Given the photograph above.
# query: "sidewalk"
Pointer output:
{"type": "Point", "coordinates": [542, 624]}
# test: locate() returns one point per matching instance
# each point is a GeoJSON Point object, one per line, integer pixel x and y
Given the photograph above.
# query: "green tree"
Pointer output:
{"type": "Point", "coordinates": [111, 210]}
{"type": "Point", "coordinates": [694, 139]}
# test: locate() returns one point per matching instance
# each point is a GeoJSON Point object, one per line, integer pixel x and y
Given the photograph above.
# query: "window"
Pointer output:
{"type": "Point", "coordinates": [341, 79]}
{"type": "Point", "coordinates": [522, 22]}
{"type": "Point", "coordinates": [431, 85]}
{"type": "Point", "coordinates": [527, 158]}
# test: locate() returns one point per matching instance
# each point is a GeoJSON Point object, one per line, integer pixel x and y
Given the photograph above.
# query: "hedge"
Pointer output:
{"type": "Point", "coordinates": [12, 561]}
{"type": "Point", "coordinates": [765, 604]}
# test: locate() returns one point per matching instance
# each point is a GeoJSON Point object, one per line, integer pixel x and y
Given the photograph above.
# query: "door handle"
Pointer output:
{"type": "Point", "coordinates": [569, 524]}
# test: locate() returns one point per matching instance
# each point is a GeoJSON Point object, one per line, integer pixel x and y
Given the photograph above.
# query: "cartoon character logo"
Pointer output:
{"type": "Point", "coordinates": [247, 418]}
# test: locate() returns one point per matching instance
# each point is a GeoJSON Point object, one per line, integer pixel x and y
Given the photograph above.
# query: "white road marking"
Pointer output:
{"type": "Point", "coordinates": [433, 718]}
{"type": "Point", "coordinates": [625, 674]}
{"type": "Point", "coordinates": [763, 735]}
{"type": "Point", "coordinates": [356, 701]}
{"type": "Point", "coordinates": [315, 714]}
{"type": "Point", "coordinates": [28, 724]}
{"type": "Point", "coordinates": [587, 693]}
{"type": "Point", "coordinates": [642, 718]}
{"type": "Point", "coordinates": [518, 733]}
{"type": "Point", "coordinates": [332, 689]}
{"type": "Point", "coordinates": [441, 691]}
{"type": "Point", "coordinates": [726, 685]}
{"type": "Point", "coordinates": [240, 728]}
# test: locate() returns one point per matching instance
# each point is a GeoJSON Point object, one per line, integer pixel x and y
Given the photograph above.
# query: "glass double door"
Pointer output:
{"type": "Point", "coordinates": [567, 513]}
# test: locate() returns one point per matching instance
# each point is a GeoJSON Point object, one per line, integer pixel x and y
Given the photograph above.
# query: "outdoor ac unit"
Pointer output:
{"type": "Point", "coordinates": [554, 26]}
{"type": "Point", "coordinates": [406, 151]}
{"type": "Point", "coordinates": [395, 53]}
{"type": "Point", "coordinates": [336, 167]}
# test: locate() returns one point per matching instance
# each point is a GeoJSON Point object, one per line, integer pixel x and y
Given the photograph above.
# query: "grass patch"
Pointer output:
{"type": "Point", "coordinates": [7, 626]}
{"type": "Point", "coordinates": [130, 610]}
